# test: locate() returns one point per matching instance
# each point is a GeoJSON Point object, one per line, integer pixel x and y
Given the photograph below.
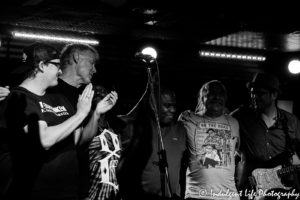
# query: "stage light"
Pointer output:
{"type": "Point", "coordinates": [147, 55]}
{"type": "Point", "coordinates": [294, 66]}
{"type": "Point", "coordinates": [52, 37]}
{"type": "Point", "coordinates": [150, 51]}
{"type": "Point", "coordinates": [232, 56]}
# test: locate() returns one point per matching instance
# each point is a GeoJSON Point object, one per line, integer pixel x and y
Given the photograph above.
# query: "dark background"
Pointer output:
{"type": "Point", "coordinates": [179, 30]}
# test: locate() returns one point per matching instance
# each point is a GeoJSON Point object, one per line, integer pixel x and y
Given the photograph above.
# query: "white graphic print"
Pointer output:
{"type": "Point", "coordinates": [213, 144]}
{"type": "Point", "coordinates": [58, 111]}
{"type": "Point", "coordinates": [109, 162]}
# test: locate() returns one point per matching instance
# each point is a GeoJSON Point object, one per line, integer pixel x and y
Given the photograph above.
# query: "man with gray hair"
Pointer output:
{"type": "Point", "coordinates": [78, 67]}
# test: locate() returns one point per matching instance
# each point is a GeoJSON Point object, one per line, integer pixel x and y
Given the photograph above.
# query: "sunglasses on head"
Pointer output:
{"type": "Point", "coordinates": [54, 63]}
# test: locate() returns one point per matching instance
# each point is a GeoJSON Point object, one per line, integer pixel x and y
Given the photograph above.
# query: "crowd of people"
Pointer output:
{"type": "Point", "coordinates": [59, 140]}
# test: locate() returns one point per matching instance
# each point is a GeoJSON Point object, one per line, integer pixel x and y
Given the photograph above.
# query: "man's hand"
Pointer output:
{"type": "Point", "coordinates": [106, 103]}
{"type": "Point", "coordinates": [85, 100]}
{"type": "Point", "coordinates": [4, 91]}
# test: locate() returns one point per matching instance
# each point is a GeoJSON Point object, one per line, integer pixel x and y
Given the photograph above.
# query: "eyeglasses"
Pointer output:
{"type": "Point", "coordinates": [55, 63]}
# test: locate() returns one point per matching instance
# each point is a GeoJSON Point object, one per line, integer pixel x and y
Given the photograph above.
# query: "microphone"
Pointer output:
{"type": "Point", "coordinates": [144, 57]}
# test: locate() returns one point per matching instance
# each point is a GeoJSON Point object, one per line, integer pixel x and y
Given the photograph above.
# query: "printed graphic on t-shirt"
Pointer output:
{"type": "Point", "coordinates": [104, 156]}
{"type": "Point", "coordinates": [58, 110]}
{"type": "Point", "coordinates": [213, 144]}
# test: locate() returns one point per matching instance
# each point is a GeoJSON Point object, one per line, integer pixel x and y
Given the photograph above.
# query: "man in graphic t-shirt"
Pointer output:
{"type": "Point", "coordinates": [212, 140]}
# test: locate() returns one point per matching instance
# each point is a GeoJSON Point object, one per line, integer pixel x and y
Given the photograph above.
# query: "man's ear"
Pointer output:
{"type": "Point", "coordinates": [76, 57]}
{"type": "Point", "coordinates": [41, 66]}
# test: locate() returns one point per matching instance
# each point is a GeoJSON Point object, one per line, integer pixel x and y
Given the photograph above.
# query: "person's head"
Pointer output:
{"type": "Point", "coordinates": [264, 90]}
{"type": "Point", "coordinates": [212, 99]}
{"type": "Point", "coordinates": [40, 59]}
{"type": "Point", "coordinates": [79, 60]}
{"type": "Point", "coordinates": [99, 93]}
{"type": "Point", "coordinates": [168, 106]}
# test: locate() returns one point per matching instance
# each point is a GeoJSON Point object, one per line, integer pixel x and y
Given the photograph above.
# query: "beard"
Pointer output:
{"type": "Point", "coordinates": [215, 109]}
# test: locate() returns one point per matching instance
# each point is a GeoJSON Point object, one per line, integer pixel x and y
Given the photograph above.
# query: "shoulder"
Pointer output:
{"type": "Point", "coordinates": [20, 95]}
{"type": "Point", "coordinates": [21, 102]}
{"type": "Point", "coordinates": [231, 119]}
{"type": "Point", "coordinates": [290, 118]}
{"type": "Point", "coordinates": [242, 110]}
{"type": "Point", "coordinates": [180, 126]}
{"type": "Point", "coordinates": [186, 115]}
{"type": "Point", "coordinates": [286, 114]}
{"type": "Point", "coordinates": [238, 110]}
{"type": "Point", "coordinates": [18, 91]}
{"type": "Point", "coordinates": [234, 124]}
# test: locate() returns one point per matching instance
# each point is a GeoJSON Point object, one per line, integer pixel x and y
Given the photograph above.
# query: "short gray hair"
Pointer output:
{"type": "Point", "coordinates": [66, 56]}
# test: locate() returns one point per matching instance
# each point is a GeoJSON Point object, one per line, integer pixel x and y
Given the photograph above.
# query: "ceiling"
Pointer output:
{"type": "Point", "coordinates": [188, 20]}
{"type": "Point", "coordinates": [177, 29]}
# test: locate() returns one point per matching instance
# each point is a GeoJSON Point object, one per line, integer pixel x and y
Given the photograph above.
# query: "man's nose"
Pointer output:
{"type": "Point", "coordinates": [94, 69]}
{"type": "Point", "coordinates": [172, 109]}
{"type": "Point", "coordinates": [217, 96]}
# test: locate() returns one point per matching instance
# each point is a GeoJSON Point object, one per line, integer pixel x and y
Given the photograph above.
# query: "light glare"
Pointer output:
{"type": "Point", "coordinates": [53, 38]}
{"type": "Point", "coordinates": [232, 56]}
{"type": "Point", "coordinates": [294, 66]}
{"type": "Point", "coordinates": [150, 51]}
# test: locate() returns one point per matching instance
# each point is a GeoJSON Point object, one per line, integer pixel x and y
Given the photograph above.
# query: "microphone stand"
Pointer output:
{"type": "Point", "coordinates": [163, 164]}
